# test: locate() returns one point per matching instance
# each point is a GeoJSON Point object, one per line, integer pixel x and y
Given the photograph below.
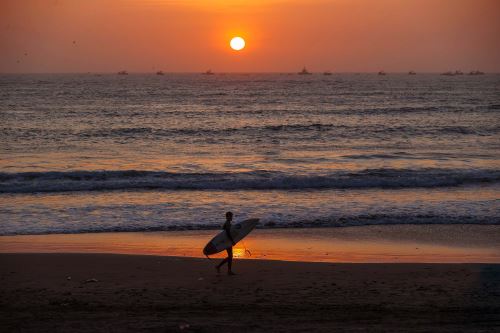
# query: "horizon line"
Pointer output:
{"type": "Point", "coordinates": [249, 72]}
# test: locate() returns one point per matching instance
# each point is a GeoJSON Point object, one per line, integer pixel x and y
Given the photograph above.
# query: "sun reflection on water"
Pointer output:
{"type": "Point", "coordinates": [239, 252]}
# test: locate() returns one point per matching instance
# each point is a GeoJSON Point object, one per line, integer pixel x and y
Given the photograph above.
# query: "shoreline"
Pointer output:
{"type": "Point", "coordinates": [135, 293]}
{"type": "Point", "coordinates": [367, 244]}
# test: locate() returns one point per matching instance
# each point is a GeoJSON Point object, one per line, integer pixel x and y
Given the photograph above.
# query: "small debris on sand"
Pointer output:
{"type": "Point", "coordinates": [184, 326]}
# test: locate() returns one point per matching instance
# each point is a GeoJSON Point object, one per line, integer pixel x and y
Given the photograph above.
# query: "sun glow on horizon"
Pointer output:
{"type": "Point", "coordinates": [237, 43]}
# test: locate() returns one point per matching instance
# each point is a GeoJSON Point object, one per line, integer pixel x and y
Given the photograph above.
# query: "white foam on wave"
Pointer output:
{"type": "Point", "coordinates": [266, 223]}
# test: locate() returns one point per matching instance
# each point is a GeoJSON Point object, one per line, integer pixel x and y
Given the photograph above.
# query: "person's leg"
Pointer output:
{"type": "Point", "coordinates": [220, 264]}
{"type": "Point", "coordinates": [229, 260]}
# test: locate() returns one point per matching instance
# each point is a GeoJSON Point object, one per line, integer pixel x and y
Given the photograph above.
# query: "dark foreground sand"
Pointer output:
{"type": "Point", "coordinates": [125, 293]}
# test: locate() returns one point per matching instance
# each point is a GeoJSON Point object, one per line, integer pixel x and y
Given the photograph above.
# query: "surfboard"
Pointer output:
{"type": "Point", "coordinates": [238, 231]}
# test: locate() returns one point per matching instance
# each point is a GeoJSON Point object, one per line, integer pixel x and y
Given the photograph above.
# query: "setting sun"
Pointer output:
{"type": "Point", "coordinates": [237, 43]}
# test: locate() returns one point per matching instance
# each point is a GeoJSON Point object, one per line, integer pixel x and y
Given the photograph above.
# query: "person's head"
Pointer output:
{"type": "Point", "coordinates": [229, 216]}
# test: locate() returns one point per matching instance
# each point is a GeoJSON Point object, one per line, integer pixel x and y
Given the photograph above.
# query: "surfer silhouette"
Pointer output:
{"type": "Point", "coordinates": [229, 259]}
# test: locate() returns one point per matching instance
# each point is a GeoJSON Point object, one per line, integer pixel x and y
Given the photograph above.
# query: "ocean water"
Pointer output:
{"type": "Point", "coordinates": [97, 153]}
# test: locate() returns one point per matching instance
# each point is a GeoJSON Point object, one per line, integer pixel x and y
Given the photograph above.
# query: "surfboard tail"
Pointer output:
{"type": "Point", "coordinates": [209, 249]}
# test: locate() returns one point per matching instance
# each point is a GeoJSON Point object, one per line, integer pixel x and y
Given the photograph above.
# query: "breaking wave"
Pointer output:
{"type": "Point", "coordinates": [55, 181]}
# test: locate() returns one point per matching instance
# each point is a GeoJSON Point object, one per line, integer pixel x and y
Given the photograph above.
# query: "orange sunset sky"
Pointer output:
{"type": "Point", "coordinates": [281, 35]}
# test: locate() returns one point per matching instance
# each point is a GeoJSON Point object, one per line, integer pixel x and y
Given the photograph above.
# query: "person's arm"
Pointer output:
{"type": "Point", "coordinates": [228, 233]}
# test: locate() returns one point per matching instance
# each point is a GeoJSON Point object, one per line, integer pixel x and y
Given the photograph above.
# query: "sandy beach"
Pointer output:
{"type": "Point", "coordinates": [367, 244]}
{"type": "Point", "coordinates": [131, 293]}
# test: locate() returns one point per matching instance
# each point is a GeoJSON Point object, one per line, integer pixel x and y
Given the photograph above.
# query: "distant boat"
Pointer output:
{"type": "Point", "coordinates": [208, 72]}
{"type": "Point", "coordinates": [476, 73]}
{"type": "Point", "coordinates": [382, 73]}
{"type": "Point", "coordinates": [327, 73]}
{"type": "Point", "coordinates": [412, 73]}
{"type": "Point", "coordinates": [122, 73]}
{"type": "Point", "coordinates": [304, 71]}
{"type": "Point", "coordinates": [160, 73]}
{"type": "Point", "coordinates": [450, 73]}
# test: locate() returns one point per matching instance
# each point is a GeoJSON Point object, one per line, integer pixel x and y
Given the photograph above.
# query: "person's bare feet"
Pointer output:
{"type": "Point", "coordinates": [230, 273]}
